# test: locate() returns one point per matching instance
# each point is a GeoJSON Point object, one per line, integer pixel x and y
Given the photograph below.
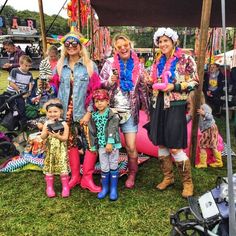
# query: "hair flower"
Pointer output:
{"type": "Point", "coordinates": [165, 31]}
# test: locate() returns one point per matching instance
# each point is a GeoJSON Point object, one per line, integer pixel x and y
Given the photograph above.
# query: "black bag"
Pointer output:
{"type": "Point", "coordinates": [56, 127]}
{"type": "Point", "coordinates": [9, 121]}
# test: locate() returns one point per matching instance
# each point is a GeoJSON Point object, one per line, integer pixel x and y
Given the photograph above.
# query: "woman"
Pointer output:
{"type": "Point", "coordinates": [77, 72]}
{"type": "Point", "coordinates": [213, 88]}
{"type": "Point", "coordinates": [48, 65]}
{"type": "Point", "coordinates": [123, 76]}
{"type": "Point", "coordinates": [173, 76]}
{"type": "Point", "coordinates": [47, 84]}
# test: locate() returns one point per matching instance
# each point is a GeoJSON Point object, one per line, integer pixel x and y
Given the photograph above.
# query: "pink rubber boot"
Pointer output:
{"type": "Point", "coordinates": [74, 160]}
{"type": "Point", "coordinates": [88, 169]}
{"type": "Point", "coordinates": [50, 185]}
{"type": "Point", "coordinates": [65, 186]}
{"type": "Point", "coordinates": [133, 168]}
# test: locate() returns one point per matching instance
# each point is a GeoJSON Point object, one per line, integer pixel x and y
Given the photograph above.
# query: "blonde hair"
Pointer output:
{"type": "Point", "coordinates": [25, 58]}
{"type": "Point", "coordinates": [121, 36]}
{"type": "Point", "coordinates": [52, 48]}
{"type": "Point", "coordinates": [84, 55]}
{"type": "Point", "coordinates": [191, 99]}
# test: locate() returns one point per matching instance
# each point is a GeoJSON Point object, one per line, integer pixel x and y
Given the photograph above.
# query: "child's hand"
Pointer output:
{"type": "Point", "coordinates": [54, 134]}
{"type": "Point", "coordinates": [201, 112]}
{"type": "Point", "coordinates": [109, 147]}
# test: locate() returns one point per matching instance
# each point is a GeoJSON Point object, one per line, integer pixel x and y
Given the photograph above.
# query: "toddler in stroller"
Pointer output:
{"type": "Point", "coordinates": [9, 113]}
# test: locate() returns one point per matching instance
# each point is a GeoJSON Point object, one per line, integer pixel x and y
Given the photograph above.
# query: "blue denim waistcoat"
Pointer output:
{"type": "Point", "coordinates": [81, 81]}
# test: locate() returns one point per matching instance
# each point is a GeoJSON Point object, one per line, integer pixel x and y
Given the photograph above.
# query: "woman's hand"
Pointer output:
{"type": "Point", "coordinates": [114, 79]}
{"type": "Point", "coordinates": [85, 119]}
{"type": "Point", "coordinates": [168, 88]}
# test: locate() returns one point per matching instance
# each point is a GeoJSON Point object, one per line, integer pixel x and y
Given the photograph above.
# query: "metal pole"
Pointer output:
{"type": "Point", "coordinates": [185, 37]}
{"type": "Point", "coordinates": [232, 225]}
{"type": "Point", "coordinates": [42, 24]}
{"type": "Point", "coordinates": [205, 21]}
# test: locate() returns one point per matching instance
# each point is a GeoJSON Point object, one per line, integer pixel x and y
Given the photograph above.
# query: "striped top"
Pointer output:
{"type": "Point", "coordinates": [21, 79]}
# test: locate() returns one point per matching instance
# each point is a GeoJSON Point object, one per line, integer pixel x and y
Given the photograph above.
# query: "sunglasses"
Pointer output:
{"type": "Point", "coordinates": [125, 45]}
{"type": "Point", "coordinates": [74, 44]}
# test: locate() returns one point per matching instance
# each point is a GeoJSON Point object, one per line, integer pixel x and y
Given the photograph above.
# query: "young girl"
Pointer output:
{"type": "Point", "coordinates": [209, 130]}
{"type": "Point", "coordinates": [104, 137]}
{"type": "Point", "coordinates": [56, 160]}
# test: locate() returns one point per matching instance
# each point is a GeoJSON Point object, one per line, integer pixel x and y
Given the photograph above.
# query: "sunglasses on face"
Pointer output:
{"type": "Point", "coordinates": [125, 45]}
{"type": "Point", "coordinates": [74, 44]}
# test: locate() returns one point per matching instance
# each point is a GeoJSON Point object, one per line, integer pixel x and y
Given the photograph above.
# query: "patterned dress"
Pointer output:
{"type": "Point", "coordinates": [56, 160]}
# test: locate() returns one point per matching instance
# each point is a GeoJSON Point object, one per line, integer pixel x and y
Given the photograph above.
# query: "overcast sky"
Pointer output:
{"type": "Point", "coordinates": [50, 7]}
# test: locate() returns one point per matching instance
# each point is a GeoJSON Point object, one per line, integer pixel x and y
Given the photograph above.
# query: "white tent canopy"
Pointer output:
{"type": "Point", "coordinates": [230, 58]}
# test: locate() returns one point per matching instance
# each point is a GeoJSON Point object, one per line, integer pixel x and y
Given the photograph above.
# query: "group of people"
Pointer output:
{"type": "Point", "coordinates": [102, 103]}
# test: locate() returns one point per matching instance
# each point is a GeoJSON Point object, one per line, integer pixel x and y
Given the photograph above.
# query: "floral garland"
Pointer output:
{"type": "Point", "coordinates": [128, 75]}
{"type": "Point", "coordinates": [162, 65]}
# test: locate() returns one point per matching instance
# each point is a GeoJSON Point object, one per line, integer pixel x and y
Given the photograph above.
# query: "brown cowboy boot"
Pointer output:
{"type": "Point", "coordinates": [167, 169]}
{"type": "Point", "coordinates": [184, 169]}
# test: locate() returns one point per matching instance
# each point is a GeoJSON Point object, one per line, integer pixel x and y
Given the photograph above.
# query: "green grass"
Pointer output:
{"type": "Point", "coordinates": [3, 79]}
{"type": "Point", "coordinates": [25, 209]}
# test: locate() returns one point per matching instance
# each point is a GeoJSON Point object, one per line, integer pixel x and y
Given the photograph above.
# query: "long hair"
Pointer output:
{"type": "Point", "coordinates": [84, 55]}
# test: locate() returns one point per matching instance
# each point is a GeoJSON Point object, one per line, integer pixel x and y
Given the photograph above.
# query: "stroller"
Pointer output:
{"type": "Point", "coordinates": [9, 115]}
{"type": "Point", "coordinates": [7, 148]}
{"type": "Point", "coordinates": [204, 215]}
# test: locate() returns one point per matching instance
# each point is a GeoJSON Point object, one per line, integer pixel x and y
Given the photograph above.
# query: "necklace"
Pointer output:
{"type": "Point", "coordinates": [126, 83]}
{"type": "Point", "coordinates": [128, 73]}
{"type": "Point", "coordinates": [163, 65]}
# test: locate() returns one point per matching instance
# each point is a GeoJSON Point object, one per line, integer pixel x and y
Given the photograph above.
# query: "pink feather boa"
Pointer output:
{"type": "Point", "coordinates": [136, 69]}
{"type": "Point", "coordinates": [178, 53]}
{"type": "Point", "coordinates": [94, 83]}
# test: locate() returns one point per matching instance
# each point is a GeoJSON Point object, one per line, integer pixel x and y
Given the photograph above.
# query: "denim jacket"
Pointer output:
{"type": "Point", "coordinates": [79, 90]}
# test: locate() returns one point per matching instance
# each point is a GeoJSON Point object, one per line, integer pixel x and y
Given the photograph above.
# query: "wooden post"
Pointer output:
{"type": "Point", "coordinates": [91, 33]}
{"type": "Point", "coordinates": [42, 24]}
{"type": "Point", "coordinates": [205, 21]}
{"type": "Point", "coordinates": [79, 27]}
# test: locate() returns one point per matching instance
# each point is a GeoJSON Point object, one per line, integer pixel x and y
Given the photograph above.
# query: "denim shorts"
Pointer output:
{"type": "Point", "coordinates": [129, 126]}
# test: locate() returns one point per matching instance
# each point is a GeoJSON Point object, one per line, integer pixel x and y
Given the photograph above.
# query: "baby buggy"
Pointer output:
{"type": "Point", "coordinates": [9, 115]}
{"type": "Point", "coordinates": [204, 215]}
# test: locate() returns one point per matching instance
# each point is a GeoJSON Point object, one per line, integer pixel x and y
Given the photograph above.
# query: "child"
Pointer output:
{"type": "Point", "coordinates": [104, 137]}
{"type": "Point", "coordinates": [209, 130]}
{"type": "Point", "coordinates": [21, 80]}
{"type": "Point", "coordinates": [56, 160]}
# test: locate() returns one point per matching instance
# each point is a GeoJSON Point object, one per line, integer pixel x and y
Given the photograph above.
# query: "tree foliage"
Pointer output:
{"type": "Point", "coordinates": [60, 25]}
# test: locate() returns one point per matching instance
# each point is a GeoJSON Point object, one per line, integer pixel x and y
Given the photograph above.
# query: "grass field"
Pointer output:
{"type": "Point", "coordinates": [25, 209]}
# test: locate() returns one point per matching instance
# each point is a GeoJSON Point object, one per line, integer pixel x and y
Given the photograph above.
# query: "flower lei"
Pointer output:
{"type": "Point", "coordinates": [163, 65]}
{"type": "Point", "coordinates": [129, 75]}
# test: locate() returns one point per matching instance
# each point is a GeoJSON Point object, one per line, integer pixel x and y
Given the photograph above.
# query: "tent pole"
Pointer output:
{"type": "Point", "coordinates": [205, 21]}
{"type": "Point", "coordinates": [232, 225]}
{"type": "Point", "coordinates": [91, 32]}
{"type": "Point", "coordinates": [42, 25]}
